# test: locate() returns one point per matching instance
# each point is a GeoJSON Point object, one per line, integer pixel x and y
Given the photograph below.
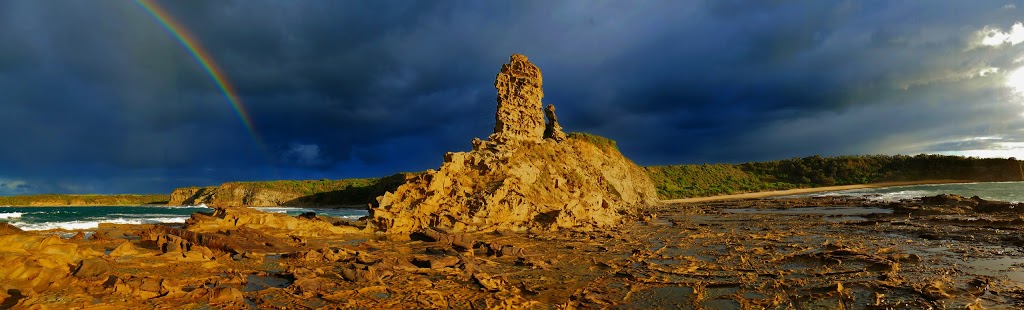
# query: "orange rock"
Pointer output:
{"type": "Point", "coordinates": [6, 228]}
{"type": "Point", "coordinates": [34, 263]}
{"type": "Point", "coordinates": [281, 225]}
{"type": "Point", "coordinates": [517, 180]}
{"type": "Point", "coordinates": [125, 249]}
{"type": "Point", "coordinates": [226, 294]}
{"type": "Point", "coordinates": [92, 267]}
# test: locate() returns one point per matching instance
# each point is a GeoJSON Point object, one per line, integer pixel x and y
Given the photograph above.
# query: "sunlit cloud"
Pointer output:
{"type": "Point", "coordinates": [997, 150]}
{"type": "Point", "coordinates": [996, 36]}
{"type": "Point", "coordinates": [988, 71]}
{"type": "Point", "coordinates": [1015, 80]}
{"type": "Point", "coordinates": [991, 146]}
{"type": "Point", "coordinates": [1009, 6]}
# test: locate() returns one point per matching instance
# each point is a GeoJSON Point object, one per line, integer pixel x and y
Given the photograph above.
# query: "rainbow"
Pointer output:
{"type": "Point", "coordinates": [203, 57]}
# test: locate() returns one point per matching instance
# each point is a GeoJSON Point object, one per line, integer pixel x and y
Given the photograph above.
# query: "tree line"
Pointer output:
{"type": "Point", "coordinates": [685, 181]}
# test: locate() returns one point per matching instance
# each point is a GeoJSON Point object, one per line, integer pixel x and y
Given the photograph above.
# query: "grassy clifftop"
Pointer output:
{"type": "Point", "coordinates": [81, 200]}
{"type": "Point", "coordinates": [289, 192]}
{"type": "Point", "coordinates": [685, 181]}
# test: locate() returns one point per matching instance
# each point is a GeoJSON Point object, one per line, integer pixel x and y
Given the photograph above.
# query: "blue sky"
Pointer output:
{"type": "Point", "coordinates": [96, 97]}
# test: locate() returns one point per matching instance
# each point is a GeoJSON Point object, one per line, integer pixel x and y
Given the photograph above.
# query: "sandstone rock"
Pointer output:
{"type": "Point", "coordinates": [510, 250]}
{"type": "Point", "coordinates": [442, 262]}
{"type": "Point", "coordinates": [460, 240]}
{"type": "Point", "coordinates": [489, 283]}
{"type": "Point", "coordinates": [553, 130]}
{"type": "Point", "coordinates": [937, 290]}
{"type": "Point", "coordinates": [517, 180]}
{"type": "Point", "coordinates": [360, 273]}
{"type": "Point", "coordinates": [520, 92]}
{"type": "Point", "coordinates": [188, 195]}
{"type": "Point", "coordinates": [92, 267]}
{"type": "Point", "coordinates": [217, 295]}
{"type": "Point", "coordinates": [125, 249]}
{"type": "Point", "coordinates": [240, 240]}
{"type": "Point", "coordinates": [321, 255]}
{"type": "Point", "coordinates": [226, 294]}
{"type": "Point", "coordinates": [308, 287]}
{"type": "Point", "coordinates": [34, 263]}
{"type": "Point", "coordinates": [232, 218]}
{"type": "Point", "coordinates": [142, 287]}
{"type": "Point", "coordinates": [6, 228]}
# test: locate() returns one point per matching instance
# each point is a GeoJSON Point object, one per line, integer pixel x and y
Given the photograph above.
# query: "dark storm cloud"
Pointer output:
{"type": "Point", "coordinates": [98, 97]}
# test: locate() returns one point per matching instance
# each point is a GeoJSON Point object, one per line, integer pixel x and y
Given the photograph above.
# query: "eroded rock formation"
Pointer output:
{"type": "Point", "coordinates": [553, 130]}
{"type": "Point", "coordinates": [520, 92]}
{"type": "Point", "coordinates": [235, 218]}
{"type": "Point", "coordinates": [518, 180]}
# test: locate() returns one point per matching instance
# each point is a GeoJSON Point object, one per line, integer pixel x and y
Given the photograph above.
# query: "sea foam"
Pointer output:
{"type": "Point", "coordinates": [92, 224]}
{"type": "Point", "coordinates": [10, 215]}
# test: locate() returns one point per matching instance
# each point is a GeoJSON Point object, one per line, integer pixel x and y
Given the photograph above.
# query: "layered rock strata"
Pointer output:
{"type": "Point", "coordinates": [527, 175]}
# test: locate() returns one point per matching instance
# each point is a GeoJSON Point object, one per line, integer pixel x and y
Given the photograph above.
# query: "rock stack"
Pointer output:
{"type": "Point", "coordinates": [519, 116]}
{"type": "Point", "coordinates": [527, 175]}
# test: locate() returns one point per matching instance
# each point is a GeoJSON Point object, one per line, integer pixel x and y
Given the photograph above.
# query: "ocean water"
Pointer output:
{"type": "Point", "coordinates": [84, 218]}
{"type": "Point", "coordinates": [1002, 191]}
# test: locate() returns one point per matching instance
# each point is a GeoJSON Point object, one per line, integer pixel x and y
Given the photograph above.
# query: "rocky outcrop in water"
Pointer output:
{"type": "Point", "coordinates": [517, 179]}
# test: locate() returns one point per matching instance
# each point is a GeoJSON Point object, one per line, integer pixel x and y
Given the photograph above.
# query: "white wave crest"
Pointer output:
{"type": "Point", "coordinates": [10, 215]}
{"type": "Point", "coordinates": [283, 209]}
{"type": "Point", "coordinates": [347, 214]}
{"type": "Point", "coordinates": [92, 224]}
{"type": "Point", "coordinates": [199, 206]}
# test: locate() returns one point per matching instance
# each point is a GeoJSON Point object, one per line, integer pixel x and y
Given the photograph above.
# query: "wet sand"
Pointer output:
{"type": "Point", "coordinates": [798, 191]}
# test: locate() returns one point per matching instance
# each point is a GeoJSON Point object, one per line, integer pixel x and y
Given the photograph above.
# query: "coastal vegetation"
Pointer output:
{"type": "Point", "coordinates": [686, 181]}
{"type": "Point", "coordinates": [671, 181]}
{"type": "Point", "coordinates": [600, 142]}
{"type": "Point", "coordinates": [324, 192]}
{"type": "Point", "coordinates": [82, 200]}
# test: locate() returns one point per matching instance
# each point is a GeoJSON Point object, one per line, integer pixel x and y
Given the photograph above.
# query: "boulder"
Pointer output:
{"type": "Point", "coordinates": [91, 268]}
{"type": "Point", "coordinates": [7, 228]}
{"type": "Point", "coordinates": [142, 287]}
{"type": "Point", "coordinates": [226, 294]}
{"type": "Point", "coordinates": [125, 249]}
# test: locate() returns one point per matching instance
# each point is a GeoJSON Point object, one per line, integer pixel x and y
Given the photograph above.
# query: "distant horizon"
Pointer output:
{"type": "Point", "coordinates": [147, 96]}
{"type": "Point", "coordinates": [169, 191]}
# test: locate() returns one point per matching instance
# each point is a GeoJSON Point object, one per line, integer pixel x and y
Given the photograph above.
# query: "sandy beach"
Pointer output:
{"type": "Point", "coordinates": [808, 190]}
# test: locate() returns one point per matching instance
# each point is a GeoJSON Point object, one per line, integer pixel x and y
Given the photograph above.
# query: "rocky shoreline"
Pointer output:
{"type": "Point", "coordinates": [802, 252]}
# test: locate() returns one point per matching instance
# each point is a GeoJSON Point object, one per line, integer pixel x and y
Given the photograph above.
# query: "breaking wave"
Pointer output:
{"type": "Point", "coordinates": [1001, 191]}
{"type": "Point", "coordinates": [10, 215]}
{"type": "Point", "coordinates": [92, 224]}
